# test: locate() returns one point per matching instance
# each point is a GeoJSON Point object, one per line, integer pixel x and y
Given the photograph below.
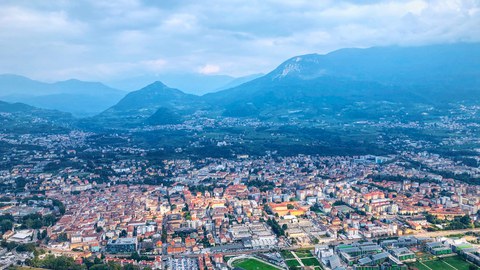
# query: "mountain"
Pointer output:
{"type": "Point", "coordinates": [22, 118]}
{"type": "Point", "coordinates": [197, 84]}
{"type": "Point", "coordinates": [348, 84]}
{"type": "Point", "coordinates": [151, 102]}
{"type": "Point", "coordinates": [77, 97]}
{"type": "Point", "coordinates": [189, 82]}
{"type": "Point", "coordinates": [379, 80]}
{"type": "Point", "coordinates": [238, 81]}
{"type": "Point", "coordinates": [164, 116]}
{"type": "Point", "coordinates": [450, 64]}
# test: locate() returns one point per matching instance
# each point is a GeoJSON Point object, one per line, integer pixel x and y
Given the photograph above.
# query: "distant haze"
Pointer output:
{"type": "Point", "coordinates": [193, 83]}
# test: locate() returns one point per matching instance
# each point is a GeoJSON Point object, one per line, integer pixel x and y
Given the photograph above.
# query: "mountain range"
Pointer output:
{"type": "Point", "coordinates": [83, 98]}
{"type": "Point", "coordinates": [22, 118]}
{"type": "Point", "coordinates": [192, 83]}
{"type": "Point", "coordinates": [74, 96]}
{"type": "Point", "coordinates": [345, 84]}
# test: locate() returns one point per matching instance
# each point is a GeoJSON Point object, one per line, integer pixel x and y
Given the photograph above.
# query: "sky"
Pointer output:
{"type": "Point", "coordinates": [105, 40]}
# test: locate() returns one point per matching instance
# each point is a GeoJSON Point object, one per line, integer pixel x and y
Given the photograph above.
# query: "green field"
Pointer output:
{"type": "Point", "coordinates": [253, 264]}
{"type": "Point", "coordinates": [292, 263]}
{"type": "Point", "coordinates": [286, 254]}
{"type": "Point", "coordinates": [457, 262]}
{"type": "Point", "coordinates": [303, 253]}
{"type": "Point", "coordinates": [310, 262]}
{"type": "Point", "coordinates": [449, 263]}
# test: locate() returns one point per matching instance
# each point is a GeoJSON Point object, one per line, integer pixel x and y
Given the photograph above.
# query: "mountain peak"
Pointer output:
{"type": "Point", "coordinates": [146, 101]}
{"type": "Point", "coordinates": [158, 87]}
{"type": "Point", "coordinates": [157, 84]}
{"type": "Point", "coordinates": [299, 66]}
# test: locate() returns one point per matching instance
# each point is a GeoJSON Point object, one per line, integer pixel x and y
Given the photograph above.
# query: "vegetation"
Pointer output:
{"type": "Point", "coordinates": [276, 228]}
{"type": "Point", "coordinates": [6, 222]}
{"type": "Point", "coordinates": [253, 264]}
{"type": "Point", "coordinates": [443, 263]}
{"type": "Point", "coordinates": [55, 263]}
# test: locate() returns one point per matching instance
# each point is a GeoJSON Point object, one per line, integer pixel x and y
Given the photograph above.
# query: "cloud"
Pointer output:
{"type": "Point", "coordinates": [107, 40]}
{"type": "Point", "coordinates": [156, 65]}
{"type": "Point", "coordinates": [209, 69]}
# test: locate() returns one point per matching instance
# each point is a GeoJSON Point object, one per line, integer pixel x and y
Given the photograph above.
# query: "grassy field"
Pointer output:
{"type": "Point", "coordinates": [418, 266]}
{"type": "Point", "coordinates": [457, 262]}
{"type": "Point", "coordinates": [310, 262]}
{"type": "Point", "coordinates": [303, 253]}
{"type": "Point", "coordinates": [253, 264]}
{"type": "Point", "coordinates": [286, 254]}
{"type": "Point", "coordinates": [292, 263]}
{"type": "Point", "coordinates": [449, 263]}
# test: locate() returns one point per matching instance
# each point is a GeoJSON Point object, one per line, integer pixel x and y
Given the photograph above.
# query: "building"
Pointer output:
{"type": "Point", "coordinates": [438, 248]}
{"type": "Point", "coordinates": [122, 245]}
{"type": "Point", "coordinates": [22, 236]}
{"type": "Point", "coordinates": [403, 254]}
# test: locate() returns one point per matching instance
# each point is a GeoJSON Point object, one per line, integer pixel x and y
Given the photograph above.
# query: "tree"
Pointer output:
{"type": "Point", "coordinates": [315, 208]}
{"type": "Point", "coordinates": [164, 235]}
{"type": "Point", "coordinates": [58, 263]}
{"type": "Point", "coordinates": [63, 237]}
{"type": "Point", "coordinates": [466, 220]}
{"type": "Point", "coordinates": [135, 256]}
{"type": "Point", "coordinates": [99, 267]}
{"type": "Point", "coordinates": [275, 227]}
{"type": "Point", "coordinates": [131, 267]}
{"type": "Point", "coordinates": [6, 225]}
{"type": "Point", "coordinates": [41, 235]}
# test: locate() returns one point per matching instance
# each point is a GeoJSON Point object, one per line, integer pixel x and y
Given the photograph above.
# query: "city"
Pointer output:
{"type": "Point", "coordinates": [212, 212]}
{"type": "Point", "coordinates": [240, 135]}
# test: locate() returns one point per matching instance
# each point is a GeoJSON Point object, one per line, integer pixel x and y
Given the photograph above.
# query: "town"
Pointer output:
{"type": "Point", "coordinates": [304, 211]}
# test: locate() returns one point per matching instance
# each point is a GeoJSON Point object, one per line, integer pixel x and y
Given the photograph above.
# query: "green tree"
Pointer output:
{"type": "Point", "coordinates": [99, 267]}
{"type": "Point", "coordinates": [6, 225]}
{"type": "Point", "coordinates": [63, 237]}
{"type": "Point", "coordinates": [131, 267]}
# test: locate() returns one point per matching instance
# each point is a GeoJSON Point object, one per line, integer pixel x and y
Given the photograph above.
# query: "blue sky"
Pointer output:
{"type": "Point", "coordinates": [107, 40]}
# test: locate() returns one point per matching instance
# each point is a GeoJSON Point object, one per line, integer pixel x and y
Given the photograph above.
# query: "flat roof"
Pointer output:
{"type": "Point", "coordinates": [122, 241]}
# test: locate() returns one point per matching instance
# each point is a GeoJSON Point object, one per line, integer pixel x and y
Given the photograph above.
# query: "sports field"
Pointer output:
{"type": "Point", "coordinates": [303, 253]}
{"type": "Point", "coordinates": [292, 263]}
{"type": "Point", "coordinates": [253, 264]}
{"type": "Point", "coordinates": [300, 258]}
{"type": "Point", "coordinates": [310, 262]}
{"type": "Point", "coordinates": [287, 254]}
{"type": "Point", "coordinates": [449, 263]}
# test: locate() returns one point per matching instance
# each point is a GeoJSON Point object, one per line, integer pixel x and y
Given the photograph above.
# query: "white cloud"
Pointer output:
{"type": "Point", "coordinates": [155, 65]}
{"type": "Point", "coordinates": [209, 69]}
{"type": "Point", "coordinates": [104, 40]}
